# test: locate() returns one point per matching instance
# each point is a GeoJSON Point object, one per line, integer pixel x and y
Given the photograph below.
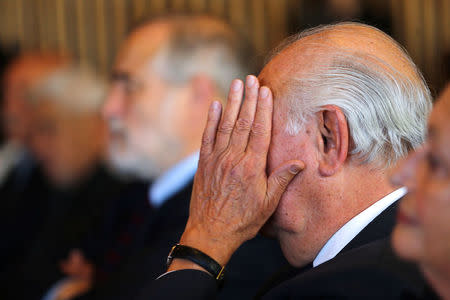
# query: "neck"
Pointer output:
{"type": "Point", "coordinates": [439, 282]}
{"type": "Point", "coordinates": [358, 189]}
{"type": "Point", "coordinates": [335, 204]}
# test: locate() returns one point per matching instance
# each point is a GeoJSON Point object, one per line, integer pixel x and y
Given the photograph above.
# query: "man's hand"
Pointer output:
{"type": "Point", "coordinates": [73, 287]}
{"type": "Point", "coordinates": [232, 196]}
{"type": "Point", "coordinates": [76, 265]}
{"type": "Point", "coordinates": [80, 272]}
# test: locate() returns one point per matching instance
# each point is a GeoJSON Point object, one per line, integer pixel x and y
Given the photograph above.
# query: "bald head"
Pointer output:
{"type": "Point", "coordinates": [142, 44]}
{"type": "Point", "coordinates": [24, 72]}
{"type": "Point", "coordinates": [32, 66]}
{"type": "Point", "coordinates": [323, 46]}
{"type": "Point", "coordinates": [364, 72]}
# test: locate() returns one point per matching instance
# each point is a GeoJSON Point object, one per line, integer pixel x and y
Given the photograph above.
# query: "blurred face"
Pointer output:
{"type": "Point", "coordinates": [16, 114]}
{"type": "Point", "coordinates": [145, 115]}
{"type": "Point", "coordinates": [65, 143]}
{"type": "Point", "coordinates": [423, 228]}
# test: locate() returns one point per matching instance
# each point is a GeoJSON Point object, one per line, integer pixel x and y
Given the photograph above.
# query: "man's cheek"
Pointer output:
{"type": "Point", "coordinates": [431, 199]}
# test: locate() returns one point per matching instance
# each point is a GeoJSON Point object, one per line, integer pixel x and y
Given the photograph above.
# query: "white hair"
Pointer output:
{"type": "Point", "coordinates": [195, 48]}
{"type": "Point", "coordinates": [386, 110]}
{"type": "Point", "coordinates": [76, 88]}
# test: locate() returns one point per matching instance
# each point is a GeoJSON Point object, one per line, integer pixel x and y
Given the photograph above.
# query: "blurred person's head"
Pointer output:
{"type": "Point", "coordinates": [165, 76]}
{"type": "Point", "coordinates": [68, 132]}
{"type": "Point", "coordinates": [20, 76]}
{"type": "Point", "coordinates": [422, 232]}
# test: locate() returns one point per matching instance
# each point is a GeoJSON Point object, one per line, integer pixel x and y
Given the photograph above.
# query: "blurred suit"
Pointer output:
{"type": "Point", "coordinates": [71, 214]}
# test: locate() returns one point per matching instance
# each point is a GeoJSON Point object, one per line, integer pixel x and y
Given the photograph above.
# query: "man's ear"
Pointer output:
{"type": "Point", "coordinates": [333, 140]}
{"type": "Point", "coordinates": [203, 89]}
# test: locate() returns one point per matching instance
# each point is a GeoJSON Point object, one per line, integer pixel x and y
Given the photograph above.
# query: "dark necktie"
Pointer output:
{"type": "Point", "coordinates": [130, 237]}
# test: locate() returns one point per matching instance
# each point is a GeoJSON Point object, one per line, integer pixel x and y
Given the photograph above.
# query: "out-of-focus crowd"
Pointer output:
{"type": "Point", "coordinates": [96, 178]}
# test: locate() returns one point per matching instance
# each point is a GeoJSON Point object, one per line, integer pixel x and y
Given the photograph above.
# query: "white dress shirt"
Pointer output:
{"type": "Point", "coordinates": [353, 227]}
{"type": "Point", "coordinates": [173, 180]}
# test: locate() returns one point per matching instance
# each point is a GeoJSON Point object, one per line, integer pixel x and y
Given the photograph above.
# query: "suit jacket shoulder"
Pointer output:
{"type": "Point", "coordinates": [366, 268]}
{"type": "Point", "coordinates": [371, 271]}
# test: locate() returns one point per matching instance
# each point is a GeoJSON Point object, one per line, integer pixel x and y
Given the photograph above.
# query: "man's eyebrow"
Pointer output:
{"type": "Point", "coordinates": [120, 76]}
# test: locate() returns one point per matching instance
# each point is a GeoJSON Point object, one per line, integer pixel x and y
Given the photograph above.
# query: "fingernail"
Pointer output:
{"type": "Point", "coordinates": [215, 105]}
{"type": "Point", "coordinates": [250, 81]}
{"type": "Point", "coordinates": [295, 169]}
{"type": "Point", "coordinates": [264, 92]}
{"type": "Point", "coordinates": [236, 85]}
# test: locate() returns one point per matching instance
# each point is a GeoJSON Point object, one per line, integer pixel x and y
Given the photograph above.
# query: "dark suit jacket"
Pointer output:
{"type": "Point", "coordinates": [71, 215]}
{"type": "Point", "coordinates": [365, 268]}
{"type": "Point", "coordinates": [245, 271]}
{"type": "Point", "coordinates": [23, 206]}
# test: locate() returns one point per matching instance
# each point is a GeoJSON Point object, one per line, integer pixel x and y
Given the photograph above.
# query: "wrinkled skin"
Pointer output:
{"type": "Point", "coordinates": [232, 170]}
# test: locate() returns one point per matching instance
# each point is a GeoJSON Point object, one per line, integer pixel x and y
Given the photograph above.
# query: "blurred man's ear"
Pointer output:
{"type": "Point", "coordinates": [203, 89]}
{"type": "Point", "coordinates": [333, 140]}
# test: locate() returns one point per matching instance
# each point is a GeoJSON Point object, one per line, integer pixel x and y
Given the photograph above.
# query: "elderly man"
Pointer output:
{"type": "Point", "coordinates": [423, 229]}
{"type": "Point", "coordinates": [68, 138]}
{"type": "Point", "coordinates": [23, 188]}
{"type": "Point", "coordinates": [166, 74]}
{"type": "Point", "coordinates": [347, 104]}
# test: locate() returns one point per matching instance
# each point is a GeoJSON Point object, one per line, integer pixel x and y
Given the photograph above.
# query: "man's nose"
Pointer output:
{"type": "Point", "coordinates": [113, 107]}
{"type": "Point", "coordinates": [406, 170]}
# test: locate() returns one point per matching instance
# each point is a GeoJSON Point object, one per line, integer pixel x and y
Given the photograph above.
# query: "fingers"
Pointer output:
{"type": "Point", "coordinates": [243, 128]}
{"type": "Point", "coordinates": [241, 131]}
{"type": "Point", "coordinates": [280, 179]}
{"type": "Point", "coordinates": [209, 134]}
{"type": "Point", "coordinates": [230, 115]}
{"type": "Point", "coordinates": [262, 125]}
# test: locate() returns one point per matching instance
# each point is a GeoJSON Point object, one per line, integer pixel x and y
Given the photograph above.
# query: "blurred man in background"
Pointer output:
{"type": "Point", "coordinates": [23, 189]}
{"type": "Point", "coordinates": [68, 138]}
{"type": "Point", "coordinates": [165, 76]}
{"type": "Point", "coordinates": [422, 232]}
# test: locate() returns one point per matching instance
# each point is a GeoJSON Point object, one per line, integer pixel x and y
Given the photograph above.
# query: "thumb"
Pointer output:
{"type": "Point", "coordinates": [281, 177]}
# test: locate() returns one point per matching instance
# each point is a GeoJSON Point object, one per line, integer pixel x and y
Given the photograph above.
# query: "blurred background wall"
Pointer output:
{"type": "Point", "coordinates": [91, 30]}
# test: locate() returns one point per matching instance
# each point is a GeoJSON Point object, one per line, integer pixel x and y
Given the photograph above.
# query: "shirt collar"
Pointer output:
{"type": "Point", "coordinates": [353, 227]}
{"type": "Point", "coordinates": [173, 180]}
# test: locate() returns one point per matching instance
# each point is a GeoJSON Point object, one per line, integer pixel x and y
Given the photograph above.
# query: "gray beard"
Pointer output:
{"type": "Point", "coordinates": [131, 164]}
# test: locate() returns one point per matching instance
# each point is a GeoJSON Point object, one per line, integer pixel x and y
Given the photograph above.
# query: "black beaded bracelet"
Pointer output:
{"type": "Point", "coordinates": [199, 258]}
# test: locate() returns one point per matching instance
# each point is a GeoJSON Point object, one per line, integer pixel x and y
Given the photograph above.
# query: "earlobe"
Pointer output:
{"type": "Point", "coordinates": [334, 139]}
{"type": "Point", "coordinates": [203, 88]}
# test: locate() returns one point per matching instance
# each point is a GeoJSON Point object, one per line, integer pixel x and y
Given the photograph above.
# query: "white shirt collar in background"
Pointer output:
{"type": "Point", "coordinates": [353, 227]}
{"type": "Point", "coordinates": [172, 181]}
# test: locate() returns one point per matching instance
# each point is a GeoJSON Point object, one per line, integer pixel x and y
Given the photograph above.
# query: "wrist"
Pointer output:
{"type": "Point", "coordinates": [220, 250]}
{"type": "Point", "coordinates": [191, 258]}
{"type": "Point", "coordinates": [182, 264]}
